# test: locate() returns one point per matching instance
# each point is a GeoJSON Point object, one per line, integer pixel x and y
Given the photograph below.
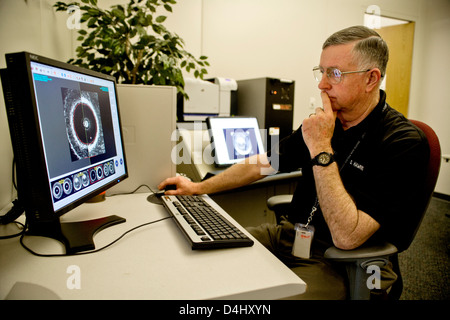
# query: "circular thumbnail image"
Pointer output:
{"type": "Point", "coordinates": [77, 182]}
{"type": "Point", "coordinates": [99, 171]}
{"type": "Point", "coordinates": [67, 186]}
{"type": "Point", "coordinates": [93, 175]}
{"type": "Point", "coordinates": [57, 190]}
{"type": "Point", "coordinates": [111, 168]}
{"type": "Point", "coordinates": [106, 169]}
{"type": "Point", "coordinates": [85, 178]}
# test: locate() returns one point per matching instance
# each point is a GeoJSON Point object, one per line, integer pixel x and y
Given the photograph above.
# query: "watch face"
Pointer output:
{"type": "Point", "coordinates": [324, 158]}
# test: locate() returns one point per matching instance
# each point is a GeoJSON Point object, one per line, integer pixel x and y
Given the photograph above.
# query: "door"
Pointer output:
{"type": "Point", "coordinates": [400, 39]}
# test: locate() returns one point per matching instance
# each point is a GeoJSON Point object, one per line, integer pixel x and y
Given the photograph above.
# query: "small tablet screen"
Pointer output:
{"type": "Point", "coordinates": [234, 139]}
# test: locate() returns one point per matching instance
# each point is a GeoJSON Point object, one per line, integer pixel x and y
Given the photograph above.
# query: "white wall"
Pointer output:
{"type": "Point", "coordinates": [26, 26]}
{"type": "Point", "coordinates": [254, 38]}
{"type": "Point", "coordinates": [431, 76]}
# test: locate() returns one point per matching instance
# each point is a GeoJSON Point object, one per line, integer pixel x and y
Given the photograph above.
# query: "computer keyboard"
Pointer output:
{"type": "Point", "coordinates": [205, 227]}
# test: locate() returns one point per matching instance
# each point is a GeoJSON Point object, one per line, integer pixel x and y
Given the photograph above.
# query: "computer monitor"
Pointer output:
{"type": "Point", "coordinates": [67, 142]}
{"type": "Point", "coordinates": [234, 139]}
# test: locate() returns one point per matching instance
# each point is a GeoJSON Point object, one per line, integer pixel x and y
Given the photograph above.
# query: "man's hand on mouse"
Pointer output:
{"type": "Point", "coordinates": [179, 185]}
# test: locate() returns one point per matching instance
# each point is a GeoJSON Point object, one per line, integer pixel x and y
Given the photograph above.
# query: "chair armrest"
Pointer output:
{"type": "Point", "coordinates": [357, 262]}
{"type": "Point", "coordinates": [363, 252]}
{"type": "Point", "coordinates": [275, 201]}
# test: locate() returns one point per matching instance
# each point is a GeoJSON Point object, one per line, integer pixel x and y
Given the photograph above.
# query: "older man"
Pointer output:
{"type": "Point", "coordinates": [360, 161]}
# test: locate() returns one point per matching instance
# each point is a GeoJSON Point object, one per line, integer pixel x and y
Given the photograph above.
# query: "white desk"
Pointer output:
{"type": "Point", "coordinates": [153, 262]}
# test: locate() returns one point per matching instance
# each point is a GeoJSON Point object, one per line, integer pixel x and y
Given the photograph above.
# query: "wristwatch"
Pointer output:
{"type": "Point", "coordinates": [323, 159]}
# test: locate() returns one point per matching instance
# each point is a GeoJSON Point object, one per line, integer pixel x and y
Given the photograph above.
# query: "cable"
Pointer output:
{"type": "Point", "coordinates": [131, 192]}
{"type": "Point", "coordinates": [20, 225]}
{"type": "Point", "coordinates": [92, 251]}
{"type": "Point", "coordinates": [15, 212]}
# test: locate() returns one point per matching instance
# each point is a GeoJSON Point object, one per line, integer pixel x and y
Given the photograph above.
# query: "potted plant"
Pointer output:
{"type": "Point", "coordinates": [131, 43]}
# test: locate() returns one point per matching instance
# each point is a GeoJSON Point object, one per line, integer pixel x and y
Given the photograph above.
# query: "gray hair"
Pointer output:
{"type": "Point", "coordinates": [370, 49]}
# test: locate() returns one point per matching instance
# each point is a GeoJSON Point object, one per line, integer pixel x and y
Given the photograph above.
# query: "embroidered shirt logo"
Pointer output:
{"type": "Point", "coordinates": [357, 165]}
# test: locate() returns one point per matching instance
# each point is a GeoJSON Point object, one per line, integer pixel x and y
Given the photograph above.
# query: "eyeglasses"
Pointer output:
{"type": "Point", "coordinates": [334, 74]}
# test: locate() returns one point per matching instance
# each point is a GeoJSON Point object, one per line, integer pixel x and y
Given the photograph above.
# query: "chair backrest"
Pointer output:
{"type": "Point", "coordinates": [432, 171]}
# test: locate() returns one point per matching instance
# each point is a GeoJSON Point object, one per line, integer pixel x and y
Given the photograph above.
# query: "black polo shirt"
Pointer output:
{"type": "Point", "coordinates": [382, 174]}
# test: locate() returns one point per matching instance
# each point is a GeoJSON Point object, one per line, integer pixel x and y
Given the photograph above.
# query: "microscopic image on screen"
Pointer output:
{"type": "Point", "coordinates": [241, 142]}
{"type": "Point", "coordinates": [83, 123]}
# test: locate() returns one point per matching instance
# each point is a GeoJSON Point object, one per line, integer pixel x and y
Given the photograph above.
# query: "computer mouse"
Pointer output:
{"type": "Point", "coordinates": [168, 187]}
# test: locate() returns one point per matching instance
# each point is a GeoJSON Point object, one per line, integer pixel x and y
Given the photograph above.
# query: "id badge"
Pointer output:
{"type": "Point", "coordinates": [303, 239]}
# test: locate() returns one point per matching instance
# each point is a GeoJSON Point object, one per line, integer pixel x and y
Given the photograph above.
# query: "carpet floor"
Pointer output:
{"type": "Point", "coordinates": [425, 266]}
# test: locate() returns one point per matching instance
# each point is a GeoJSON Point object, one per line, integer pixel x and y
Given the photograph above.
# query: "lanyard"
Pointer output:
{"type": "Point", "coordinates": [316, 203]}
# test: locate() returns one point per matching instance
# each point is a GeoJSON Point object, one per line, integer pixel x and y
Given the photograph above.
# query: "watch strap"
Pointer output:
{"type": "Point", "coordinates": [316, 161]}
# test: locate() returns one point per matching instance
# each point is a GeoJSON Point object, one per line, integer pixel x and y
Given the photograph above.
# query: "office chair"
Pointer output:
{"type": "Point", "coordinates": [357, 261]}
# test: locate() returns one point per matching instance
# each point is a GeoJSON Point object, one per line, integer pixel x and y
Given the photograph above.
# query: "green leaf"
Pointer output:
{"type": "Point", "coordinates": [152, 9]}
{"type": "Point", "coordinates": [60, 6]}
{"type": "Point", "coordinates": [93, 12]}
{"type": "Point", "coordinates": [140, 30]}
{"type": "Point", "coordinates": [85, 17]}
{"type": "Point", "coordinates": [118, 13]}
{"type": "Point", "coordinates": [161, 19]}
{"type": "Point", "coordinates": [156, 28]}
{"type": "Point", "coordinates": [91, 22]}
{"type": "Point", "coordinates": [148, 20]}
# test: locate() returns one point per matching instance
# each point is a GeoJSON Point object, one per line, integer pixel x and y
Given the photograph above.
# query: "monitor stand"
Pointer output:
{"type": "Point", "coordinates": [76, 236]}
